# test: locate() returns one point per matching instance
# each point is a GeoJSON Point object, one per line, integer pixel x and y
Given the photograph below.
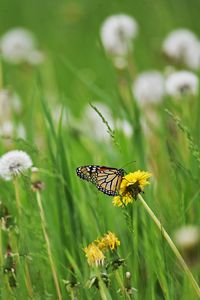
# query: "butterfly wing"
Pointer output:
{"type": "Point", "coordinates": [88, 173]}
{"type": "Point", "coordinates": [106, 179]}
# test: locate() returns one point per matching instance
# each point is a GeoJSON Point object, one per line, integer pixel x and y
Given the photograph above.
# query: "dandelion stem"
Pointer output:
{"type": "Point", "coordinates": [102, 290]}
{"type": "Point", "coordinates": [18, 203]}
{"type": "Point", "coordinates": [122, 287]}
{"type": "Point", "coordinates": [17, 195]}
{"type": "Point", "coordinates": [172, 245]}
{"type": "Point", "coordinates": [1, 249]}
{"type": "Point", "coordinates": [43, 223]}
{"type": "Point", "coordinates": [28, 280]}
{"type": "Point", "coordinates": [1, 75]}
{"type": "Point", "coordinates": [72, 294]}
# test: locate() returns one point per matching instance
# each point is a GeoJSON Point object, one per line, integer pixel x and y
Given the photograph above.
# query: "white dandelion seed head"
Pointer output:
{"type": "Point", "coordinates": [182, 46]}
{"type": "Point", "coordinates": [125, 127]}
{"type": "Point", "coordinates": [181, 83]}
{"type": "Point", "coordinates": [187, 236]}
{"type": "Point", "coordinates": [16, 45]}
{"type": "Point", "coordinates": [148, 88]}
{"type": "Point", "coordinates": [92, 123]}
{"type": "Point", "coordinates": [14, 163]}
{"type": "Point", "coordinates": [117, 32]}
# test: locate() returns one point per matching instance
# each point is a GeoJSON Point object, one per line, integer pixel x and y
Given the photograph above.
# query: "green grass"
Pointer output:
{"type": "Point", "coordinates": [76, 72]}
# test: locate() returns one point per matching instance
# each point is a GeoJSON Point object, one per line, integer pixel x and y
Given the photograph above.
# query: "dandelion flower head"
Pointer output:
{"type": "Point", "coordinates": [148, 88]}
{"type": "Point", "coordinates": [108, 241]}
{"type": "Point", "coordinates": [14, 163]}
{"type": "Point", "coordinates": [117, 33]}
{"type": "Point", "coordinates": [132, 184]}
{"type": "Point", "coordinates": [183, 46]}
{"type": "Point", "coordinates": [181, 83]}
{"type": "Point", "coordinates": [18, 45]}
{"type": "Point", "coordinates": [95, 251]}
{"type": "Point", "coordinates": [94, 255]}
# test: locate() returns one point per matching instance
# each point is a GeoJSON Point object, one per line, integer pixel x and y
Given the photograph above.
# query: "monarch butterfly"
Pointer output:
{"type": "Point", "coordinates": [106, 179]}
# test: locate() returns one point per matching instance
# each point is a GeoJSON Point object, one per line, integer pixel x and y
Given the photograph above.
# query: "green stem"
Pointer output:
{"type": "Point", "coordinates": [102, 290]}
{"type": "Point", "coordinates": [172, 245]}
{"type": "Point", "coordinates": [72, 294]}
{"type": "Point", "coordinates": [51, 261]}
{"type": "Point", "coordinates": [17, 195]}
{"type": "Point", "coordinates": [28, 280]}
{"type": "Point", "coordinates": [1, 248]}
{"type": "Point", "coordinates": [122, 287]}
{"type": "Point", "coordinates": [18, 204]}
{"type": "Point", "coordinates": [1, 75]}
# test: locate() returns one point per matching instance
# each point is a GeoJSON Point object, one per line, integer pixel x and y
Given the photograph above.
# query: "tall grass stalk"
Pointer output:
{"type": "Point", "coordinates": [18, 203]}
{"type": "Point", "coordinates": [28, 280]}
{"type": "Point", "coordinates": [172, 246]}
{"type": "Point", "coordinates": [51, 261]}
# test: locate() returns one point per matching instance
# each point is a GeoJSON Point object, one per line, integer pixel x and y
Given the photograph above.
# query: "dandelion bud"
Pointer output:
{"type": "Point", "coordinates": [36, 183]}
{"type": "Point", "coordinates": [128, 275]}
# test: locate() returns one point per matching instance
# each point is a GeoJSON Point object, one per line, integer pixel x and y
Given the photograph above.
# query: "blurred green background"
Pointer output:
{"type": "Point", "coordinates": [69, 30]}
{"type": "Point", "coordinates": [77, 71]}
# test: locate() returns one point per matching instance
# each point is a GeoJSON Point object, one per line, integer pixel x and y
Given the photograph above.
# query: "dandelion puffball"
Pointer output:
{"type": "Point", "coordinates": [181, 83]}
{"type": "Point", "coordinates": [183, 46]}
{"type": "Point", "coordinates": [148, 88]}
{"type": "Point", "coordinates": [14, 163]}
{"type": "Point", "coordinates": [187, 236]}
{"type": "Point", "coordinates": [117, 32]}
{"type": "Point", "coordinates": [18, 45]}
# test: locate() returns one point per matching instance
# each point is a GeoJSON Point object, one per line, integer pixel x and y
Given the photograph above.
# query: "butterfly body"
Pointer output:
{"type": "Point", "coordinates": [106, 179]}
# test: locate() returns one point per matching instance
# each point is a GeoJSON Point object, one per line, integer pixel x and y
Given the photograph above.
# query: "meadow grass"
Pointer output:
{"type": "Point", "coordinates": [47, 230]}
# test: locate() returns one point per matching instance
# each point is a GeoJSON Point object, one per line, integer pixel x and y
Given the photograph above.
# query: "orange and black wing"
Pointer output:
{"type": "Point", "coordinates": [106, 179]}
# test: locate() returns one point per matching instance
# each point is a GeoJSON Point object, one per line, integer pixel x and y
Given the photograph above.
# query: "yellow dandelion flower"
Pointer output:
{"type": "Point", "coordinates": [108, 241]}
{"type": "Point", "coordinates": [94, 255]}
{"type": "Point", "coordinates": [132, 184]}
